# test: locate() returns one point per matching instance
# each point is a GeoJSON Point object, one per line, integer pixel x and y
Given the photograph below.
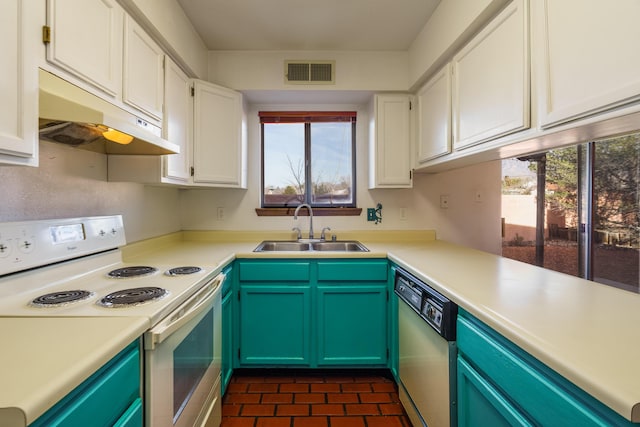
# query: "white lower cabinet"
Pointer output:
{"type": "Point", "coordinates": [587, 55]}
{"type": "Point", "coordinates": [434, 117]}
{"type": "Point", "coordinates": [19, 88]}
{"type": "Point", "coordinates": [491, 80]}
{"type": "Point", "coordinates": [390, 157]}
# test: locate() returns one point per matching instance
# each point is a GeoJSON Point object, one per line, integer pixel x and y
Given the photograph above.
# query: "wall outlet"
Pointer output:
{"type": "Point", "coordinates": [371, 214]}
{"type": "Point", "coordinates": [220, 214]}
{"type": "Point", "coordinates": [444, 201]}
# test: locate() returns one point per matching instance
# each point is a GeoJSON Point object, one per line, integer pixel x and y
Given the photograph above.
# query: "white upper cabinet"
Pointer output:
{"type": "Point", "coordinates": [434, 116]}
{"type": "Point", "coordinates": [588, 57]}
{"type": "Point", "coordinates": [219, 138]}
{"type": "Point", "coordinates": [491, 79]}
{"type": "Point", "coordinates": [86, 41]}
{"type": "Point", "coordinates": [209, 124]}
{"type": "Point", "coordinates": [19, 88]}
{"type": "Point", "coordinates": [177, 128]}
{"type": "Point", "coordinates": [390, 157]}
{"type": "Point", "coordinates": [143, 80]}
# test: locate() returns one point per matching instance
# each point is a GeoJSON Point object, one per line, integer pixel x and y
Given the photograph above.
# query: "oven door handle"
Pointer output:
{"type": "Point", "coordinates": [184, 314]}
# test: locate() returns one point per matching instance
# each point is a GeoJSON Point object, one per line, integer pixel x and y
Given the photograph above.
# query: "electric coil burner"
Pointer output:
{"type": "Point", "coordinates": [179, 271]}
{"type": "Point", "coordinates": [134, 296]}
{"type": "Point", "coordinates": [57, 299]}
{"type": "Point", "coordinates": [134, 271]}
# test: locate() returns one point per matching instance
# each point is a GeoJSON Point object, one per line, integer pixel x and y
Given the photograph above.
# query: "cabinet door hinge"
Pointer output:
{"type": "Point", "coordinates": [46, 34]}
{"type": "Point", "coordinates": [410, 106]}
{"type": "Point", "coordinates": [410, 173]}
{"type": "Point", "coordinates": [192, 170]}
{"type": "Point", "coordinates": [238, 353]}
{"type": "Point", "coordinates": [387, 354]}
{"type": "Point", "coordinates": [387, 294]}
{"type": "Point", "coordinates": [193, 91]}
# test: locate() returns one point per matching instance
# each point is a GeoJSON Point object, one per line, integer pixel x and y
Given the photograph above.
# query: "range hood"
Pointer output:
{"type": "Point", "coordinates": [72, 116]}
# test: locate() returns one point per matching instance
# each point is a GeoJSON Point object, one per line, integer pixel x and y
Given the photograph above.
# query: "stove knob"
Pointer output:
{"type": "Point", "coordinates": [5, 249]}
{"type": "Point", "coordinates": [26, 246]}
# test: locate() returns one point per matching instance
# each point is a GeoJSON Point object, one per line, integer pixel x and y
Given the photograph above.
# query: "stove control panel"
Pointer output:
{"type": "Point", "coordinates": [30, 244]}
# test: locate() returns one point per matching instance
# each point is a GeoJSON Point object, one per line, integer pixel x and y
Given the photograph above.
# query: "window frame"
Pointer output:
{"type": "Point", "coordinates": [307, 118]}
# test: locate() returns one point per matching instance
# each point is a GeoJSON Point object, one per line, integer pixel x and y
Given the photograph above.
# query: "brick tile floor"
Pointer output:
{"type": "Point", "coordinates": [306, 398]}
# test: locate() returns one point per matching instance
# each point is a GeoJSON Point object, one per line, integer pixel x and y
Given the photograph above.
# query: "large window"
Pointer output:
{"type": "Point", "coordinates": [308, 157]}
{"type": "Point", "coordinates": [577, 210]}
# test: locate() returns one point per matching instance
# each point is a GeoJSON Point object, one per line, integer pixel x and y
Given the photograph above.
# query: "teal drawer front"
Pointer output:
{"type": "Point", "coordinates": [274, 271]}
{"type": "Point", "coordinates": [351, 270]}
{"type": "Point", "coordinates": [480, 405]}
{"type": "Point", "coordinates": [132, 417]}
{"type": "Point", "coordinates": [542, 394]}
{"type": "Point", "coordinates": [103, 398]}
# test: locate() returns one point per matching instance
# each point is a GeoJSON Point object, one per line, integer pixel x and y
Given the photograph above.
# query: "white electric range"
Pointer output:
{"type": "Point", "coordinates": [74, 268]}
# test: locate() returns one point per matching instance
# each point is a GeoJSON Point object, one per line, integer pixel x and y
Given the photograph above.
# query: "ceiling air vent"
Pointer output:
{"type": "Point", "coordinates": [309, 72]}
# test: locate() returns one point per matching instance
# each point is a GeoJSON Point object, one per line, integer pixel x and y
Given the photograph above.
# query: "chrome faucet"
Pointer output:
{"type": "Point", "coordinates": [295, 216]}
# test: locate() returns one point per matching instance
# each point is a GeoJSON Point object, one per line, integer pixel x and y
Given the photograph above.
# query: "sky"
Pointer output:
{"type": "Point", "coordinates": [284, 146]}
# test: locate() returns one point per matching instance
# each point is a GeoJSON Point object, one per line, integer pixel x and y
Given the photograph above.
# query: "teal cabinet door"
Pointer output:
{"type": "Point", "coordinates": [352, 325]}
{"type": "Point", "coordinates": [227, 340]}
{"type": "Point", "coordinates": [480, 404]}
{"type": "Point", "coordinates": [229, 293]}
{"type": "Point", "coordinates": [275, 325]}
{"type": "Point", "coordinates": [117, 382]}
{"type": "Point", "coordinates": [494, 370]}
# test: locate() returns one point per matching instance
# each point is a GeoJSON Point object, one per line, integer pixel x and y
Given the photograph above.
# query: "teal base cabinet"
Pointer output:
{"type": "Point", "coordinates": [313, 313]}
{"type": "Point", "coordinates": [352, 306]}
{"type": "Point", "coordinates": [110, 397]}
{"type": "Point", "coordinates": [499, 384]}
{"type": "Point", "coordinates": [228, 305]}
{"type": "Point", "coordinates": [275, 313]}
{"type": "Point", "coordinates": [275, 325]}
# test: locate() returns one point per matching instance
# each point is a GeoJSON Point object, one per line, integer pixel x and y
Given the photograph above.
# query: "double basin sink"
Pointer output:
{"type": "Point", "coordinates": [301, 246]}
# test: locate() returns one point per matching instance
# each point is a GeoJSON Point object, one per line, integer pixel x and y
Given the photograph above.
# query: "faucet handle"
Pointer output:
{"type": "Point", "coordinates": [322, 236]}
{"type": "Point", "coordinates": [299, 232]}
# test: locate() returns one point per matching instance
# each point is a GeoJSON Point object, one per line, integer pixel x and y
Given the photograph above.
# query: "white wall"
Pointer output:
{"type": "Point", "coordinates": [199, 206]}
{"type": "Point", "coordinates": [264, 70]}
{"type": "Point", "coordinates": [466, 221]}
{"type": "Point", "coordinates": [71, 183]}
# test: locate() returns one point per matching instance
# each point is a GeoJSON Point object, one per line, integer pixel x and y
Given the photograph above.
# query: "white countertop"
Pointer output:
{"type": "Point", "coordinates": [39, 364]}
{"type": "Point", "coordinates": [585, 331]}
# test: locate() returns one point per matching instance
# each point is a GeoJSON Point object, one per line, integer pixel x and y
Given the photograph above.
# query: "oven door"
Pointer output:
{"type": "Point", "coordinates": [182, 363]}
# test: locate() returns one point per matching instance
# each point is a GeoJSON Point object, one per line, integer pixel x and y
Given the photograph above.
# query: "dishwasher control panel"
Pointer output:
{"type": "Point", "coordinates": [436, 309]}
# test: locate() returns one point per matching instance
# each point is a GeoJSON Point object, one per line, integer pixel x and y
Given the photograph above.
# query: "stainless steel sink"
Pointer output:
{"type": "Point", "coordinates": [340, 246]}
{"type": "Point", "coordinates": [296, 246]}
{"type": "Point", "coordinates": [282, 245]}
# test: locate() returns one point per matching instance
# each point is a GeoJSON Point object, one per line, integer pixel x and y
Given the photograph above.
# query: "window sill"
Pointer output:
{"type": "Point", "coordinates": [305, 212]}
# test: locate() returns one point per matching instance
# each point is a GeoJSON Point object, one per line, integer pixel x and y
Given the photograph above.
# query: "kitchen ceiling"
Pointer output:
{"type": "Point", "coordinates": [379, 25]}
